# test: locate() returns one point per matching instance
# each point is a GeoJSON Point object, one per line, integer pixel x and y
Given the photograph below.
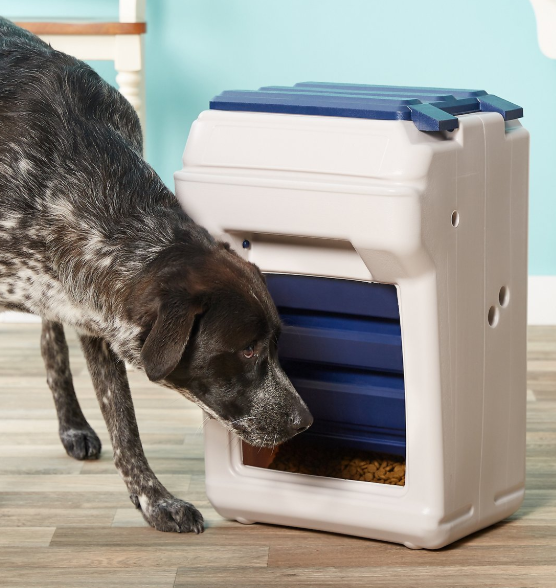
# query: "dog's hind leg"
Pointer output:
{"type": "Point", "coordinates": [159, 508]}
{"type": "Point", "coordinates": [77, 436]}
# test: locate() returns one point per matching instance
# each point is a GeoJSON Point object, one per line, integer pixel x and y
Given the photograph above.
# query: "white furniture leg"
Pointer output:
{"type": "Point", "coordinates": [129, 84]}
{"type": "Point", "coordinates": [545, 11]}
{"type": "Point", "coordinates": [129, 65]}
{"type": "Point", "coordinates": [134, 11]}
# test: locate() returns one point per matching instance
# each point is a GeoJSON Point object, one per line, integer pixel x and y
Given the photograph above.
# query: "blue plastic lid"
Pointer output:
{"type": "Point", "coordinates": [431, 109]}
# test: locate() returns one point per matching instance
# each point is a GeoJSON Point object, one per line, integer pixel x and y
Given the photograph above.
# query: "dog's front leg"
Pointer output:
{"type": "Point", "coordinates": [77, 436]}
{"type": "Point", "coordinates": [159, 508]}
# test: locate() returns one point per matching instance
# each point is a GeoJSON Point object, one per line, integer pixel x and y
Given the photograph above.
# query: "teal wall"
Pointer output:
{"type": "Point", "coordinates": [196, 48]}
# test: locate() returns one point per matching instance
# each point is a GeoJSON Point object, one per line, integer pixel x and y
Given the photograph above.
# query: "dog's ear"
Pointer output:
{"type": "Point", "coordinates": [168, 338]}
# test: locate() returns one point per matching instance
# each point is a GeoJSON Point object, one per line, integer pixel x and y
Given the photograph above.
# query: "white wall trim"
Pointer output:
{"type": "Point", "coordinates": [541, 308]}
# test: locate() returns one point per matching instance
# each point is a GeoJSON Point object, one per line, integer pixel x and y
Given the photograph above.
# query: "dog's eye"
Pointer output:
{"type": "Point", "coordinates": [249, 352]}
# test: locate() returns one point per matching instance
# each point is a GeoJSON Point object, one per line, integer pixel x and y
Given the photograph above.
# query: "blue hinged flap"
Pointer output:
{"type": "Point", "coordinates": [430, 109]}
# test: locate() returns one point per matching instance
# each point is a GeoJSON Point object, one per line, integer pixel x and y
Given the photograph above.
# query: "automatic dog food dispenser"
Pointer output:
{"type": "Point", "coordinates": [392, 225]}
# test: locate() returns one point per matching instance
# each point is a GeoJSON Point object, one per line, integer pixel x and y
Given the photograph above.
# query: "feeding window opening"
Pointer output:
{"type": "Point", "coordinates": [341, 347]}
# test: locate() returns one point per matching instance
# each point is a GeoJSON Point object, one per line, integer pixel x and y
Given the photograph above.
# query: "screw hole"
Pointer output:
{"type": "Point", "coordinates": [455, 218]}
{"type": "Point", "coordinates": [493, 316]}
{"type": "Point", "coordinates": [504, 296]}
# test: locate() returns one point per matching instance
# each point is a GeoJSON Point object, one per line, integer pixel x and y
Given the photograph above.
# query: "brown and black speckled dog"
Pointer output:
{"type": "Point", "coordinates": [90, 237]}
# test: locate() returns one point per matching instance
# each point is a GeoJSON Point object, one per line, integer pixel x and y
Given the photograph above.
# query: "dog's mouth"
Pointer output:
{"type": "Point", "coordinates": [248, 431]}
{"type": "Point", "coordinates": [256, 439]}
{"type": "Point", "coordinates": [258, 430]}
{"type": "Point", "coordinates": [272, 426]}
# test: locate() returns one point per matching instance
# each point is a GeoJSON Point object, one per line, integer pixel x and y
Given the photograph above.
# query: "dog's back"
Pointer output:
{"type": "Point", "coordinates": [52, 108]}
{"type": "Point", "coordinates": [71, 174]}
{"type": "Point", "coordinates": [38, 83]}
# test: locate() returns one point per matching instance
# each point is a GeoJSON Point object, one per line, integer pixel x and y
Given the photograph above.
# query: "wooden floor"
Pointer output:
{"type": "Point", "coordinates": [69, 523]}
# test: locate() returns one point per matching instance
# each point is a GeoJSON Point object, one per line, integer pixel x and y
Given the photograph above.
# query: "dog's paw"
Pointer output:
{"type": "Point", "coordinates": [170, 514]}
{"type": "Point", "coordinates": [81, 443]}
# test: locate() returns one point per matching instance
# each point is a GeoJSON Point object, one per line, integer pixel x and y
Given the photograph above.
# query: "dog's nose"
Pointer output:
{"type": "Point", "coordinates": [301, 421]}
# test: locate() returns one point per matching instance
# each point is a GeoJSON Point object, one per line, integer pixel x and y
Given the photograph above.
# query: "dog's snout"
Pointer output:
{"type": "Point", "coordinates": [301, 421]}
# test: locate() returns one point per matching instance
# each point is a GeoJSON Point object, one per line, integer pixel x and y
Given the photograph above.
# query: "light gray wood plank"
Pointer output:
{"type": "Point", "coordinates": [384, 576]}
{"type": "Point", "coordinates": [56, 517]}
{"type": "Point", "coordinates": [28, 537]}
{"type": "Point", "coordinates": [72, 483]}
{"type": "Point", "coordinates": [85, 578]}
{"type": "Point", "coordinates": [187, 554]}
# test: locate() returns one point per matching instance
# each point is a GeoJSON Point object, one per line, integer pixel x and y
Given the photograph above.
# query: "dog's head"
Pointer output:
{"type": "Point", "coordinates": [210, 331]}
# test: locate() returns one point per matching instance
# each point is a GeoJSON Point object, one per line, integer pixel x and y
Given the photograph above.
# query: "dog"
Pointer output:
{"type": "Point", "coordinates": [90, 237]}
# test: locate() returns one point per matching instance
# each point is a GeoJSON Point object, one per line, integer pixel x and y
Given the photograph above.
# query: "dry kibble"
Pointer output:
{"type": "Point", "coordinates": [306, 456]}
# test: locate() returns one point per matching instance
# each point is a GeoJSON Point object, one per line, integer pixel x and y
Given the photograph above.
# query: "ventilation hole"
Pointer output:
{"type": "Point", "coordinates": [455, 218]}
{"type": "Point", "coordinates": [504, 296]}
{"type": "Point", "coordinates": [493, 316]}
